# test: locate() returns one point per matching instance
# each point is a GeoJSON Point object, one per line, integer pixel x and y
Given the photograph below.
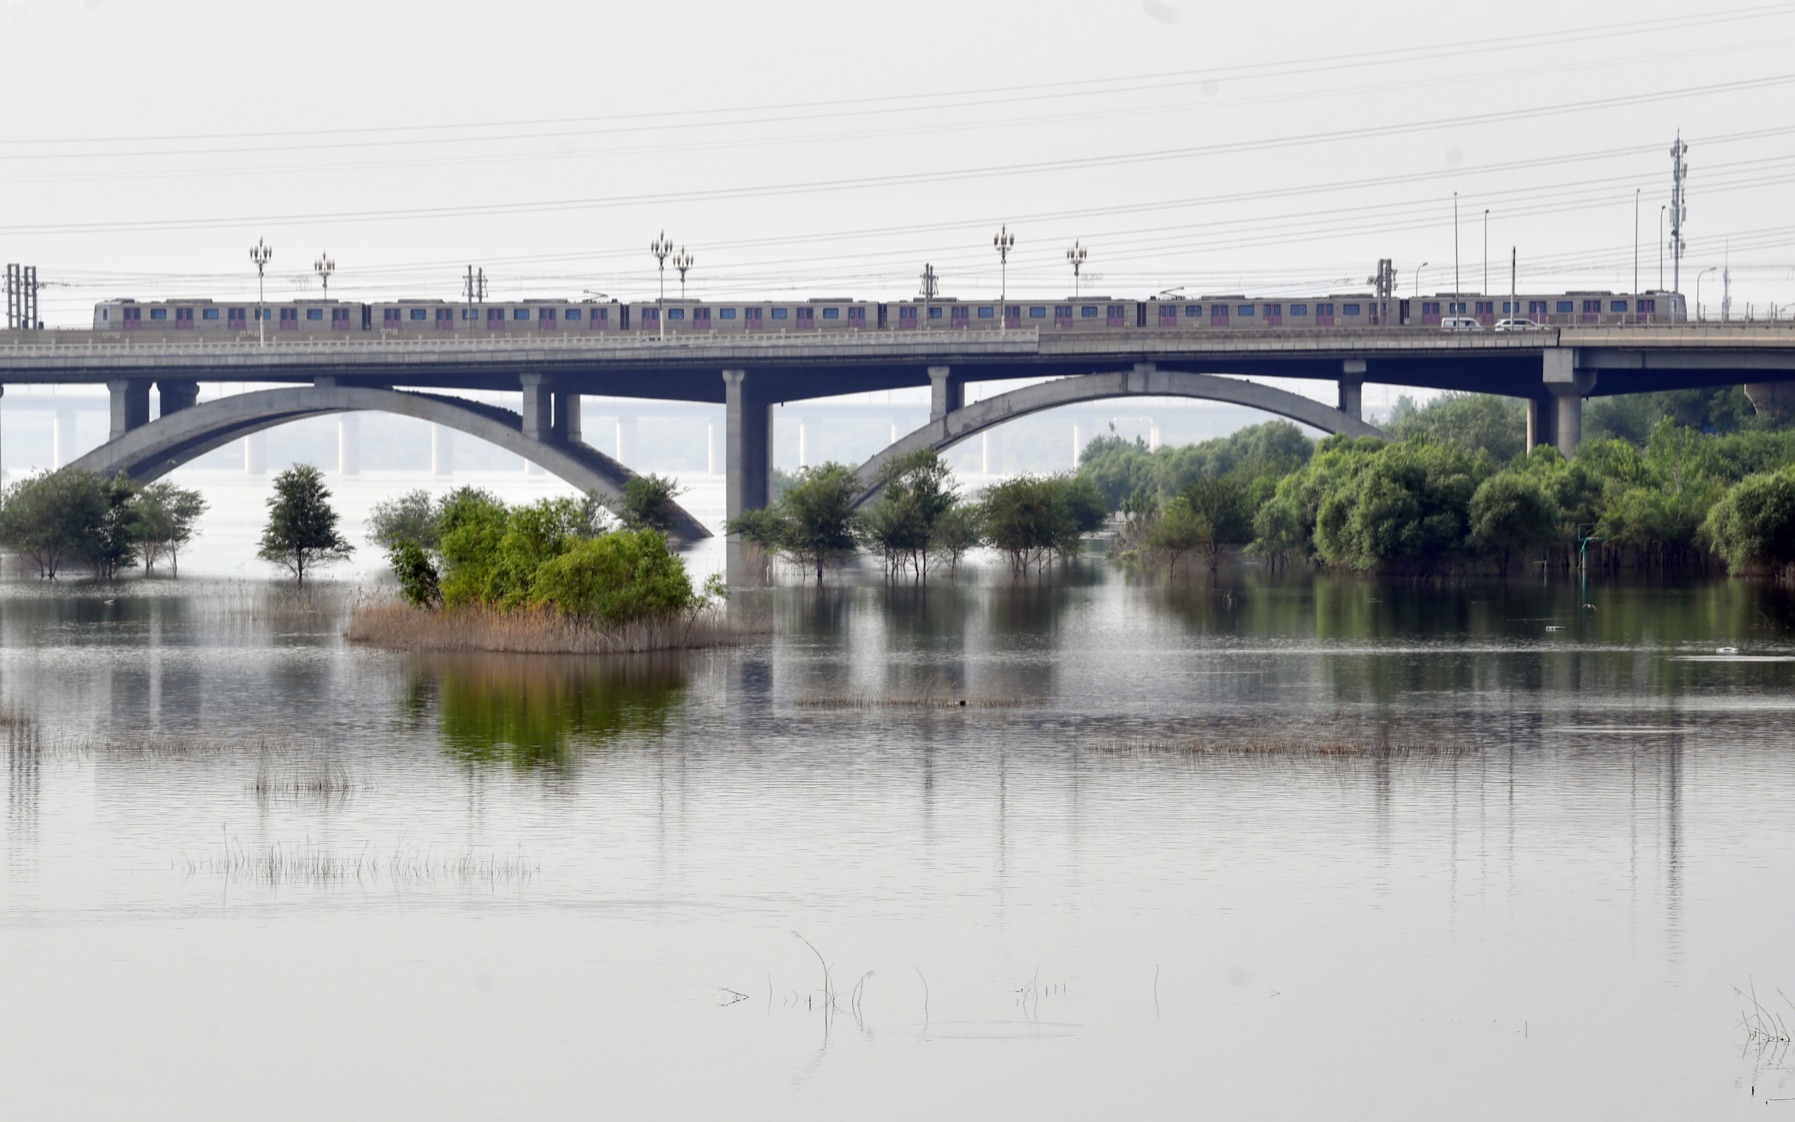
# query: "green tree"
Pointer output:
{"type": "Point", "coordinates": [1474, 422]}
{"type": "Point", "coordinates": [917, 490]}
{"type": "Point", "coordinates": [1175, 530]}
{"type": "Point", "coordinates": [1406, 510]}
{"type": "Point", "coordinates": [647, 503]}
{"type": "Point", "coordinates": [813, 522]}
{"type": "Point", "coordinates": [115, 545]}
{"type": "Point", "coordinates": [166, 521]}
{"type": "Point", "coordinates": [411, 517]}
{"type": "Point", "coordinates": [1223, 505]}
{"type": "Point", "coordinates": [615, 578]}
{"type": "Point", "coordinates": [418, 581]}
{"type": "Point", "coordinates": [1117, 467]}
{"type": "Point", "coordinates": [1753, 525]}
{"type": "Point", "coordinates": [1509, 513]}
{"type": "Point", "coordinates": [1030, 518]}
{"type": "Point", "coordinates": [54, 518]}
{"type": "Point", "coordinates": [957, 531]}
{"type": "Point", "coordinates": [302, 528]}
{"type": "Point", "coordinates": [470, 524]}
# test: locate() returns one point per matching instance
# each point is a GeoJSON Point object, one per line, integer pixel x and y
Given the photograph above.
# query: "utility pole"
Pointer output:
{"type": "Point", "coordinates": [1003, 243]}
{"type": "Point", "coordinates": [260, 254]}
{"type": "Point", "coordinates": [1456, 287]}
{"type": "Point", "coordinates": [1486, 249]}
{"type": "Point", "coordinates": [1076, 255]}
{"type": "Point", "coordinates": [929, 288]}
{"type": "Point", "coordinates": [661, 247]}
{"type": "Point", "coordinates": [1679, 210]}
{"type": "Point", "coordinates": [21, 298]}
{"type": "Point", "coordinates": [475, 286]}
{"type": "Point", "coordinates": [1384, 284]}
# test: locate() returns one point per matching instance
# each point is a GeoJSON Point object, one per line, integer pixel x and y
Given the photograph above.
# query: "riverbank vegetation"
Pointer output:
{"type": "Point", "coordinates": [73, 518]}
{"type": "Point", "coordinates": [566, 574]}
{"type": "Point", "coordinates": [1456, 492]}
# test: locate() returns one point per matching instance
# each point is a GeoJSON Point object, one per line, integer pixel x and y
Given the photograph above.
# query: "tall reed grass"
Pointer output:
{"type": "Point", "coordinates": [398, 626]}
{"type": "Point", "coordinates": [407, 866]}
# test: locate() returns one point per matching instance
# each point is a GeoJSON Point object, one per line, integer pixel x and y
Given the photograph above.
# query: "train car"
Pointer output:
{"type": "Point", "coordinates": [692, 317]}
{"type": "Point", "coordinates": [1235, 312]}
{"type": "Point", "coordinates": [1084, 313]}
{"type": "Point", "coordinates": [1563, 309]}
{"type": "Point", "coordinates": [174, 318]}
{"type": "Point", "coordinates": [518, 317]}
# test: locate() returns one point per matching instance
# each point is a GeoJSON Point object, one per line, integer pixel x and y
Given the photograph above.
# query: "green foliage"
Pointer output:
{"type": "Point", "coordinates": [409, 518]}
{"type": "Point", "coordinates": [1510, 513]}
{"type": "Point", "coordinates": [1175, 530]}
{"type": "Point", "coordinates": [116, 539]}
{"type": "Point", "coordinates": [1405, 509]}
{"type": "Point", "coordinates": [958, 530]}
{"type": "Point", "coordinates": [918, 490]}
{"type": "Point", "coordinates": [1753, 525]}
{"type": "Point", "coordinates": [647, 503]}
{"type": "Point", "coordinates": [1258, 455]}
{"type": "Point", "coordinates": [1225, 505]}
{"type": "Point", "coordinates": [166, 517]}
{"type": "Point", "coordinates": [470, 525]}
{"type": "Point", "coordinates": [1632, 417]}
{"type": "Point", "coordinates": [1473, 422]}
{"type": "Point", "coordinates": [1031, 518]}
{"type": "Point", "coordinates": [1118, 468]}
{"type": "Point", "coordinates": [813, 522]}
{"type": "Point", "coordinates": [55, 518]}
{"type": "Point", "coordinates": [302, 528]}
{"type": "Point", "coordinates": [615, 578]}
{"type": "Point", "coordinates": [418, 581]}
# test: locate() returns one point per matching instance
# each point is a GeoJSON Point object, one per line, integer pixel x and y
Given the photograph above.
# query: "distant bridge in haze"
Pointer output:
{"type": "Point", "coordinates": [1553, 370]}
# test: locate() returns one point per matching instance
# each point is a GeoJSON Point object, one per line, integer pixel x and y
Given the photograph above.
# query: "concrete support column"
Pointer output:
{"type": "Point", "coordinates": [946, 392]}
{"type": "Point", "coordinates": [538, 406]}
{"type": "Point", "coordinates": [803, 443]}
{"type": "Point", "coordinates": [130, 404]}
{"type": "Point", "coordinates": [62, 438]}
{"type": "Point", "coordinates": [567, 415]}
{"type": "Point", "coordinates": [1568, 387]}
{"type": "Point", "coordinates": [894, 431]}
{"type": "Point", "coordinates": [1542, 421]}
{"type": "Point", "coordinates": [255, 454]}
{"type": "Point", "coordinates": [985, 452]}
{"type": "Point", "coordinates": [713, 449]}
{"type": "Point", "coordinates": [626, 440]}
{"type": "Point", "coordinates": [442, 450]}
{"type": "Point", "coordinates": [1077, 443]}
{"type": "Point", "coordinates": [177, 394]}
{"type": "Point", "coordinates": [1352, 388]}
{"type": "Point", "coordinates": [348, 443]}
{"type": "Point", "coordinates": [1153, 437]}
{"type": "Point", "coordinates": [748, 454]}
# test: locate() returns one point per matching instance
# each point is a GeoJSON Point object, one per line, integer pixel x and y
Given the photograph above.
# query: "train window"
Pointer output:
{"type": "Point", "coordinates": [1038, 311]}
{"type": "Point", "coordinates": [520, 313]}
{"type": "Point", "coordinates": [314, 313]}
{"type": "Point", "coordinates": [1089, 311]}
{"type": "Point", "coordinates": [1273, 310]}
{"type": "Point", "coordinates": [1349, 309]}
{"type": "Point", "coordinates": [1487, 307]}
{"type": "Point", "coordinates": [676, 313]}
{"type": "Point", "coordinates": [601, 315]}
{"type": "Point", "coordinates": [1565, 307]}
{"type": "Point", "coordinates": [806, 313]}
{"type": "Point", "coordinates": [780, 313]}
{"type": "Point", "coordinates": [1244, 310]}
{"type": "Point", "coordinates": [158, 313]}
{"type": "Point", "coordinates": [1617, 306]}
{"type": "Point", "coordinates": [725, 313]}
{"type": "Point", "coordinates": [831, 313]}
{"type": "Point", "coordinates": [934, 313]}
{"type": "Point", "coordinates": [573, 313]}
{"type": "Point", "coordinates": [1647, 306]}
{"type": "Point", "coordinates": [987, 313]}
{"type": "Point", "coordinates": [1299, 309]}
{"type": "Point", "coordinates": [236, 313]}
{"type": "Point", "coordinates": [906, 313]}
{"type": "Point", "coordinates": [420, 314]}
{"type": "Point", "coordinates": [1192, 311]}
{"type": "Point", "coordinates": [209, 313]}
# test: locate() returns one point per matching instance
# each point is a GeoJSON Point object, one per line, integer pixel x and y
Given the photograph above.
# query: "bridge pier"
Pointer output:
{"type": "Point", "coordinates": [1566, 386]}
{"type": "Point", "coordinates": [1542, 421]}
{"type": "Point", "coordinates": [748, 452]}
{"type": "Point", "coordinates": [1352, 388]}
{"type": "Point", "coordinates": [177, 394]}
{"type": "Point", "coordinates": [538, 406]}
{"type": "Point", "coordinates": [947, 393]}
{"type": "Point", "coordinates": [348, 444]}
{"type": "Point", "coordinates": [130, 404]}
{"type": "Point", "coordinates": [255, 454]}
{"type": "Point", "coordinates": [567, 415]}
{"type": "Point", "coordinates": [62, 438]}
{"type": "Point", "coordinates": [442, 450]}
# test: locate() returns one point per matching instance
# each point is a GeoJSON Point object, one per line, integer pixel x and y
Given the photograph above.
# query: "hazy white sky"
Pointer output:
{"type": "Point", "coordinates": [829, 148]}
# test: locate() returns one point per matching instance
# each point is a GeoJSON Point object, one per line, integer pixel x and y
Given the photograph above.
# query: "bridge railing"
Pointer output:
{"type": "Point", "coordinates": [80, 341]}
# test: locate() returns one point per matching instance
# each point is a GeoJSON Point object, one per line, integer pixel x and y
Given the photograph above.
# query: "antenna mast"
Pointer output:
{"type": "Point", "coordinates": [1679, 210]}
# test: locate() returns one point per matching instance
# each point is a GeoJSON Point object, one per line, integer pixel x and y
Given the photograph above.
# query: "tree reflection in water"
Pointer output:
{"type": "Point", "coordinates": [542, 711]}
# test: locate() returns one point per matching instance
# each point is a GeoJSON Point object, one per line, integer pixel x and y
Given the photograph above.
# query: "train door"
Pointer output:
{"type": "Point", "coordinates": [1592, 311]}
{"type": "Point", "coordinates": [1324, 315]}
{"type": "Point", "coordinates": [701, 319]}
{"type": "Point", "coordinates": [962, 317]}
{"type": "Point", "coordinates": [651, 319]}
{"type": "Point", "coordinates": [752, 318]}
{"type": "Point", "coordinates": [807, 319]}
{"type": "Point", "coordinates": [857, 319]}
{"type": "Point", "coordinates": [445, 319]}
{"type": "Point", "coordinates": [289, 319]}
{"type": "Point", "coordinates": [1430, 313]}
{"type": "Point", "coordinates": [1062, 315]}
{"type": "Point", "coordinates": [133, 318]}
{"type": "Point", "coordinates": [1274, 314]}
{"type": "Point", "coordinates": [495, 319]}
{"type": "Point", "coordinates": [1012, 315]}
{"type": "Point", "coordinates": [1168, 315]}
{"type": "Point", "coordinates": [1486, 312]}
{"type": "Point", "coordinates": [339, 319]}
{"type": "Point", "coordinates": [236, 318]}
{"type": "Point", "coordinates": [1218, 315]}
{"type": "Point", "coordinates": [183, 319]}
{"type": "Point", "coordinates": [547, 320]}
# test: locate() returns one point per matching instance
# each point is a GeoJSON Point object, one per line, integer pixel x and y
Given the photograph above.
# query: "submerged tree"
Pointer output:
{"type": "Point", "coordinates": [302, 528]}
{"type": "Point", "coordinates": [813, 522]}
{"type": "Point", "coordinates": [54, 518]}
{"type": "Point", "coordinates": [166, 518]}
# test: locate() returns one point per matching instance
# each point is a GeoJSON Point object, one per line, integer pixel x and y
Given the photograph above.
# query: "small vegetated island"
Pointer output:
{"type": "Point", "coordinates": [560, 575]}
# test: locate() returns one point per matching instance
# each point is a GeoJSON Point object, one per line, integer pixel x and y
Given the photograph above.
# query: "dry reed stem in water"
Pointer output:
{"type": "Point", "coordinates": [397, 626]}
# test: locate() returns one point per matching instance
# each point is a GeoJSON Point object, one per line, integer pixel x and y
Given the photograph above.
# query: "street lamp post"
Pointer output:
{"type": "Point", "coordinates": [324, 266]}
{"type": "Point", "coordinates": [1661, 212]}
{"type": "Point", "coordinates": [682, 261]}
{"type": "Point", "coordinates": [661, 247]}
{"type": "Point", "coordinates": [1486, 249]}
{"type": "Point", "coordinates": [1003, 243]}
{"type": "Point", "coordinates": [1698, 290]}
{"type": "Point", "coordinates": [260, 254]}
{"type": "Point", "coordinates": [1635, 239]}
{"type": "Point", "coordinates": [1418, 269]}
{"type": "Point", "coordinates": [1076, 255]}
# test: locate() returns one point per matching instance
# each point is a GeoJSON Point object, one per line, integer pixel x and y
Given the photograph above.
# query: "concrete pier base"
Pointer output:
{"type": "Point", "coordinates": [748, 429]}
{"type": "Point", "coordinates": [348, 444]}
{"type": "Point", "coordinates": [442, 450]}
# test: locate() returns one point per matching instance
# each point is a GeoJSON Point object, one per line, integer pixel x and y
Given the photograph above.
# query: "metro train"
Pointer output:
{"type": "Point", "coordinates": [1200, 314]}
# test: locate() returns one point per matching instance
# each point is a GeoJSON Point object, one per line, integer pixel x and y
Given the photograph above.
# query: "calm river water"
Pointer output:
{"type": "Point", "coordinates": [1297, 848]}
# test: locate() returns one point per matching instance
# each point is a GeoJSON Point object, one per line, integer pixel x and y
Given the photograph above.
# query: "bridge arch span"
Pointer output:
{"type": "Point", "coordinates": [154, 449]}
{"type": "Point", "coordinates": [942, 433]}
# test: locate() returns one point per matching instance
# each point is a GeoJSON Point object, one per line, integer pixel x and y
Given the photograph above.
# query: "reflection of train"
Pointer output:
{"type": "Point", "coordinates": [435, 318]}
